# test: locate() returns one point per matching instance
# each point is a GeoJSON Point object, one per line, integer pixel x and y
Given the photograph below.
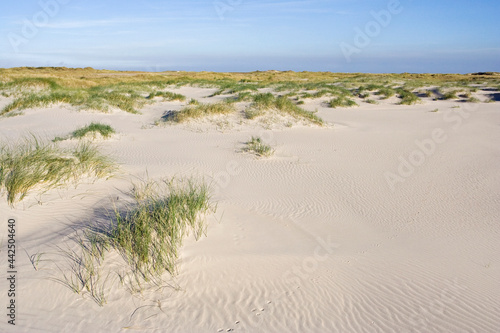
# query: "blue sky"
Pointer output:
{"type": "Point", "coordinates": [379, 36]}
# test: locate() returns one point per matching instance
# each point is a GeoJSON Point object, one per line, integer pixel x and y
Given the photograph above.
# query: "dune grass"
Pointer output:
{"type": "Point", "coordinates": [149, 231]}
{"type": "Point", "coordinates": [33, 163]}
{"type": "Point", "coordinates": [102, 90]}
{"type": "Point", "coordinates": [342, 101]}
{"type": "Point", "coordinates": [267, 101]}
{"type": "Point", "coordinates": [95, 99]}
{"type": "Point", "coordinates": [195, 111]}
{"type": "Point", "coordinates": [104, 130]}
{"type": "Point", "coordinates": [257, 147]}
{"type": "Point", "coordinates": [407, 97]}
{"type": "Point", "coordinates": [167, 96]}
{"type": "Point", "coordinates": [452, 94]}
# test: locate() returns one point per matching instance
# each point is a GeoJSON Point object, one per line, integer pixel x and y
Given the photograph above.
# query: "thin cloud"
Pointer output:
{"type": "Point", "coordinates": [92, 23]}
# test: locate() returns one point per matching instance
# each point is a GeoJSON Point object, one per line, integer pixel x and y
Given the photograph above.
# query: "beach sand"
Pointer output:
{"type": "Point", "coordinates": [385, 220]}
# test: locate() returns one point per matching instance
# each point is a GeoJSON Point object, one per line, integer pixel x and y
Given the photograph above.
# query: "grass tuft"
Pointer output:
{"type": "Point", "coordinates": [199, 111]}
{"type": "Point", "coordinates": [267, 101]}
{"type": "Point", "coordinates": [33, 163]}
{"type": "Point", "coordinates": [104, 130]}
{"type": "Point", "coordinates": [167, 96]}
{"type": "Point", "coordinates": [341, 101]}
{"type": "Point", "coordinates": [407, 97]}
{"type": "Point", "coordinates": [150, 231]}
{"type": "Point", "coordinates": [450, 95]}
{"type": "Point", "coordinates": [256, 146]}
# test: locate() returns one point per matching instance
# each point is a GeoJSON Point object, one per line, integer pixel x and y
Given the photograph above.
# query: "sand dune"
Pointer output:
{"type": "Point", "coordinates": [313, 239]}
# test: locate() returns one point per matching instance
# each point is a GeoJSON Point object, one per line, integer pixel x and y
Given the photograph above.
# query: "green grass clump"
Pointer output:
{"type": "Point", "coordinates": [263, 101]}
{"type": "Point", "coordinates": [199, 111]}
{"type": "Point", "coordinates": [96, 99]}
{"type": "Point", "coordinates": [33, 163]}
{"type": "Point", "coordinates": [285, 105]}
{"type": "Point", "coordinates": [386, 92]}
{"type": "Point", "coordinates": [104, 130]}
{"type": "Point", "coordinates": [167, 95]}
{"type": "Point", "coordinates": [450, 95]}
{"type": "Point", "coordinates": [407, 97]}
{"type": "Point", "coordinates": [341, 101]}
{"type": "Point", "coordinates": [256, 146]}
{"type": "Point", "coordinates": [150, 231]}
{"type": "Point", "coordinates": [243, 96]}
{"type": "Point", "coordinates": [32, 82]}
{"type": "Point", "coordinates": [268, 101]}
{"type": "Point", "coordinates": [473, 100]}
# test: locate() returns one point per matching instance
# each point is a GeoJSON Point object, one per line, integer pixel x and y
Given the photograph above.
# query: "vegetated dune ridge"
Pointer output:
{"type": "Point", "coordinates": [384, 219]}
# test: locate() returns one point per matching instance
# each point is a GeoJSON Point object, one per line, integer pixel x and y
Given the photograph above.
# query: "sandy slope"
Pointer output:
{"type": "Point", "coordinates": [313, 239]}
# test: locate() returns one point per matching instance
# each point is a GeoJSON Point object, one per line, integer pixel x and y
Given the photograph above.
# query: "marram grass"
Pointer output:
{"type": "Point", "coordinates": [267, 101]}
{"type": "Point", "coordinates": [194, 111]}
{"type": "Point", "coordinates": [33, 163]}
{"type": "Point", "coordinates": [104, 130]}
{"type": "Point", "coordinates": [150, 230]}
{"type": "Point", "coordinates": [257, 147]}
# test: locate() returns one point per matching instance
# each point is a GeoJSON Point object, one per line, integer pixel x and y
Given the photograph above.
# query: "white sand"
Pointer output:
{"type": "Point", "coordinates": [313, 239]}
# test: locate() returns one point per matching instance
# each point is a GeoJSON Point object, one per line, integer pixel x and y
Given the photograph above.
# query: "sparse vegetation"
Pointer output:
{"type": "Point", "coordinates": [450, 95]}
{"type": "Point", "coordinates": [267, 101]}
{"type": "Point", "coordinates": [257, 147]}
{"type": "Point", "coordinates": [167, 96]}
{"type": "Point", "coordinates": [104, 130]}
{"type": "Point", "coordinates": [33, 163]}
{"type": "Point", "coordinates": [342, 102]}
{"type": "Point", "coordinates": [150, 231]}
{"type": "Point", "coordinates": [199, 111]}
{"type": "Point", "coordinates": [407, 97]}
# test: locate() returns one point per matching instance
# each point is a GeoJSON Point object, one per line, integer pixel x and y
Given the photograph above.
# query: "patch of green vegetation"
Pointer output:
{"type": "Point", "coordinates": [341, 101]}
{"type": "Point", "coordinates": [407, 97]}
{"type": "Point", "coordinates": [267, 101]}
{"type": "Point", "coordinates": [227, 87]}
{"type": "Point", "coordinates": [257, 147]}
{"type": "Point", "coordinates": [150, 231]}
{"type": "Point", "coordinates": [473, 100]}
{"type": "Point", "coordinates": [104, 130]}
{"type": "Point", "coordinates": [386, 92]}
{"type": "Point", "coordinates": [32, 82]}
{"type": "Point", "coordinates": [243, 96]}
{"type": "Point", "coordinates": [35, 164]}
{"type": "Point", "coordinates": [450, 95]}
{"type": "Point", "coordinates": [167, 96]}
{"type": "Point", "coordinates": [370, 101]}
{"type": "Point", "coordinates": [95, 99]}
{"type": "Point", "coordinates": [199, 111]}
{"type": "Point", "coordinates": [263, 101]}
